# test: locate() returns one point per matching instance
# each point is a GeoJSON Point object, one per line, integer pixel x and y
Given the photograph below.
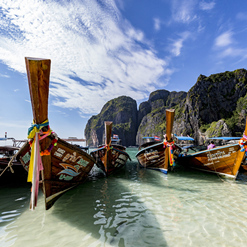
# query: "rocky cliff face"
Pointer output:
{"type": "Point", "coordinates": [214, 106]}
{"type": "Point", "coordinates": [219, 97]}
{"type": "Point", "coordinates": [122, 111]}
{"type": "Point", "coordinates": [153, 122]}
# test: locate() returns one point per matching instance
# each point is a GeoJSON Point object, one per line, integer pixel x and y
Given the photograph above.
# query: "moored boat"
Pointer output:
{"type": "Point", "coordinates": [223, 160]}
{"type": "Point", "coordinates": [111, 156]}
{"type": "Point", "coordinates": [60, 165]}
{"type": "Point", "coordinates": [157, 155]}
{"type": "Point", "coordinates": [10, 173]}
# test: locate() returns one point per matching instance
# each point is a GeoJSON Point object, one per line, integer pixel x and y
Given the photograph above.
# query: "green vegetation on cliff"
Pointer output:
{"type": "Point", "coordinates": [214, 106]}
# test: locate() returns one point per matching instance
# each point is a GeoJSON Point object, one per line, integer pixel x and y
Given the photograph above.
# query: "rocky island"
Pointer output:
{"type": "Point", "coordinates": [214, 106]}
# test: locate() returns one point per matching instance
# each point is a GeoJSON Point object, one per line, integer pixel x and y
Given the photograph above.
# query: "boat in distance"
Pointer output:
{"type": "Point", "coordinates": [157, 155]}
{"type": "Point", "coordinates": [223, 160]}
{"type": "Point", "coordinates": [112, 156]}
{"type": "Point", "coordinates": [52, 163]}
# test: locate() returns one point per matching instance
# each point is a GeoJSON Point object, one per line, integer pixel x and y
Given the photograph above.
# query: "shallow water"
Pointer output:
{"type": "Point", "coordinates": [134, 207]}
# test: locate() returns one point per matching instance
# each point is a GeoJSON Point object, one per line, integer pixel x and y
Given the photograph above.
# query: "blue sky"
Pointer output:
{"type": "Point", "coordinates": [102, 49]}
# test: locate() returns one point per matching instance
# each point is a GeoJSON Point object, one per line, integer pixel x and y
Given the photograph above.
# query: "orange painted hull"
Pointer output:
{"type": "Point", "coordinates": [221, 160]}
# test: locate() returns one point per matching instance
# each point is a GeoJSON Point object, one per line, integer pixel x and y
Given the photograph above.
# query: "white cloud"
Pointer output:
{"type": "Point", "coordinates": [183, 10]}
{"type": "Point", "coordinates": [2, 75]}
{"type": "Point", "coordinates": [233, 52]}
{"type": "Point", "coordinates": [242, 16]}
{"type": "Point", "coordinates": [177, 45]}
{"type": "Point", "coordinates": [96, 55]}
{"type": "Point", "coordinates": [227, 47]}
{"type": "Point", "coordinates": [225, 39]}
{"type": "Point", "coordinates": [206, 5]}
{"type": "Point", "coordinates": [157, 24]}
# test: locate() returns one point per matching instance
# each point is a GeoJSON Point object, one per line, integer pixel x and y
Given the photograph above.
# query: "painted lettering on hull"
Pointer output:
{"type": "Point", "coordinates": [216, 157]}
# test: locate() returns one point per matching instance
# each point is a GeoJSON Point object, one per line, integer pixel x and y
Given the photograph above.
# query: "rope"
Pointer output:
{"type": "Point", "coordinates": [11, 163]}
{"type": "Point", "coordinates": [35, 134]}
{"type": "Point", "coordinates": [8, 166]}
{"type": "Point", "coordinates": [36, 128]}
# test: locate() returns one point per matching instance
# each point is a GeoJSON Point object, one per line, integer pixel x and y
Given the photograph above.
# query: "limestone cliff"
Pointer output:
{"type": "Point", "coordinates": [122, 111]}
{"type": "Point", "coordinates": [219, 97]}
{"type": "Point", "coordinates": [214, 106]}
{"type": "Point", "coordinates": [153, 122]}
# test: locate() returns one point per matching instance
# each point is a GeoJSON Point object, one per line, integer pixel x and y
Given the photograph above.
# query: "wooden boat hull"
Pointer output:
{"type": "Point", "coordinates": [159, 155]}
{"type": "Point", "coordinates": [69, 167]}
{"type": "Point", "coordinates": [220, 160]}
{"type": "Point", "coordinates": [64, 164]}
{"type": "Point", "coordinates": [19, 174]}
{"type": "Point", "coordinates": [153, 157]}
{"type": "Point", "coordinates": [116, 158]}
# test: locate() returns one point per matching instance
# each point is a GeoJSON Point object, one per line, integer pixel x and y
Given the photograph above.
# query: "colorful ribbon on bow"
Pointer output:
{"type": "Point", "coordinates": [243, 144]}
{"type": "Point", "coordinates": [35, 165]}
{"type": "Point", "coordinates": [35, 128]}
{"type": "Point", "coordinates": [169, 145]}
{"type": "Point", "coordinates": [107, 147]}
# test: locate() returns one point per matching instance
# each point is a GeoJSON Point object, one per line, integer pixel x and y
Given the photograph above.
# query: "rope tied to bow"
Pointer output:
{"type": "Point", "coordinates": [35, 128]}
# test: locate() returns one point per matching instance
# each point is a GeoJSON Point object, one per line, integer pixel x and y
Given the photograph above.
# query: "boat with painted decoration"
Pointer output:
{"type": "Point", "coordinates": [52, 163]}
{"type": "Point", "coordinates": [156, 154]}
{"type": "Point", "coordinates": [111, 156]}
{"type": "Point", "coordinates": [224, 160]}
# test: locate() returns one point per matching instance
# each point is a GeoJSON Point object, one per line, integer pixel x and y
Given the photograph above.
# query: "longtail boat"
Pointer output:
{"type": "Point", "coordinates": [14, 172]}
{"type": "Point", "coordinates": [158, 155]}
{"type": "Point", "coordinates": [223, 160]}
{"type": "Point", "coordinates": [60, 165]}
{"type": "Point", "coordinates": [112, 156]}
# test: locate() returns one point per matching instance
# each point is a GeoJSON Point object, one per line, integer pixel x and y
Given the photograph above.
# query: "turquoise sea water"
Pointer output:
{"type": "Point", "coordinates": [134, 207]}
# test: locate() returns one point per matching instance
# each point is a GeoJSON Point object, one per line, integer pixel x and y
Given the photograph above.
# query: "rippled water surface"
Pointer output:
{"type": "Point", "coordinates": [134, 207]}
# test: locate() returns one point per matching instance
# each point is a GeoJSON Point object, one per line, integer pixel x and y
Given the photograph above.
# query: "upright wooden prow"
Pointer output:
{"type": "Point", "coordinates": [38, 73]}
{"type": "Point", "coordinates": [240, 155]}
{"type": "Point", "coordinates": [170, 113]}
{"type": "Point", "coordinates": [108, 130]}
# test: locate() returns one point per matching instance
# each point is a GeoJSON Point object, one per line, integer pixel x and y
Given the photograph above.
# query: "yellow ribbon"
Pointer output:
{"type": "Point", "coordinates": [31, 164]}
{"type": "Point", "coordinates": [36, 128]}
{"type": "Point", "coordinates": [31, 134]}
